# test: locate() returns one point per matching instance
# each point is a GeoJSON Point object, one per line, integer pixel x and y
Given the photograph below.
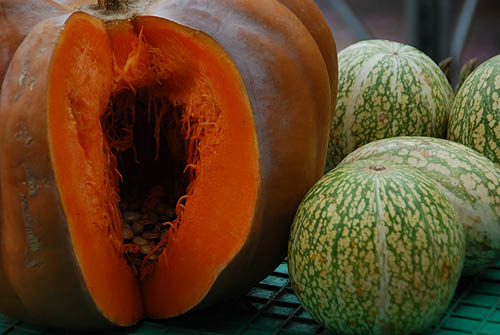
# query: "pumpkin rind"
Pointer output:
{"type": "Point", "coordinates": [310, 15]}
{"type": "Point", "coordinates": [470, 180]}
{"type": "Point", "coordinates": [386, 89]}
{"type": "Point", "coordinates": [375, 248]}
{"type": "Point", "coordinates": [16, 21]}
{"type": "Point", "coordinates": [37, 260]}
{"type": "Point", "coordinates": [475, 116]}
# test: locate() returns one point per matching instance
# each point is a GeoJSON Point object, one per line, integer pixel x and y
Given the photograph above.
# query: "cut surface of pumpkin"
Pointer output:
{"type": "Point", "coordinates": [144, 113]}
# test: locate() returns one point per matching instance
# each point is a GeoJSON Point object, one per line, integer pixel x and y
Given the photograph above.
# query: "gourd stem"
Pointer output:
{"type": "Point", "coordinates": [465, 71]}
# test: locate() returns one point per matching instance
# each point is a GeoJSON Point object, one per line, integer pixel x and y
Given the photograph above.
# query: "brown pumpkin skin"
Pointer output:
{"type": "Point", "coordinates": [17, 18]}
{"type": "Point", "coordinates": [43, 278]}
{"type": "Point", "coordinates": [289, 84]}
{"type": "Point", "coordinates": [310, 15]}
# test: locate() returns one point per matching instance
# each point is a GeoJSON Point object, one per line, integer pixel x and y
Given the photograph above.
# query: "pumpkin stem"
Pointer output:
{"type": "Point", "coordinates": [111, 5]}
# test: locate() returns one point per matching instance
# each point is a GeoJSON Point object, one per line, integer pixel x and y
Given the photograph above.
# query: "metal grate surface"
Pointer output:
{"type": "Point", "coordinates": [271, 308]}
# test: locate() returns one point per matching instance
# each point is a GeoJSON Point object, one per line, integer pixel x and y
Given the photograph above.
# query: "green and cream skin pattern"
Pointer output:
{"type": "Point", "coordinates": [375, 248]}
{"type": "Point", "coordinates": [469, 179]}
{"type": "Point", "coordinates": [386, 89]}
{"type": "Point", "coordinates": [475, 116]}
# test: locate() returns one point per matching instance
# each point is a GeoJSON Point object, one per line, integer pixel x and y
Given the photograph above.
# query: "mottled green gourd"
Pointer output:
{"type": "Point", "coordinates": [375, 248]}
{"type": "Point", "coordinates": [470, 180]}
{"type": "Point", "coordinates": [386, 89]}
{"type": "Point", "coordinates": [475, 115]}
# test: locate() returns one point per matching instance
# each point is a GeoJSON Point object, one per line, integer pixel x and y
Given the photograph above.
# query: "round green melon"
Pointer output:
{"type": "Point", "coordinates": [470, 180]}
{"type": "Point", "coordinates": [475, 115]}
{"type": "Point", "coordinates": [386, 89]}
{"type": "Point", "coordinates": [375, 248]}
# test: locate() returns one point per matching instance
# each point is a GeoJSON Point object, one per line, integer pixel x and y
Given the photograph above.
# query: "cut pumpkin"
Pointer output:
{"type": "Point", "coordinates": [215, 125]}
{"type": "Point", "coordinates": [95, 112]}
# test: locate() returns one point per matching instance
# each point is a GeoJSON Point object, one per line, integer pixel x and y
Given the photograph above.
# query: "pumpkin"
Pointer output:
{"type": "Point", "coordinates": [386, 89]}
{"type": "Point", "coordinates": [154, 153]}
{"type": "Point", "coordinates": [475, 116]}
{"type": "Point", "coordinates": [469, 180]}
{"type": "Point", "coordinates": [375, 248]}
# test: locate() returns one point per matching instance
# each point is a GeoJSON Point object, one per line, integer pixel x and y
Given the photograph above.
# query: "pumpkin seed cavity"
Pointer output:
{"type": "Point", "coordinates": [156, 135]}
{"type": "Point", "coordinates": [148, 152]}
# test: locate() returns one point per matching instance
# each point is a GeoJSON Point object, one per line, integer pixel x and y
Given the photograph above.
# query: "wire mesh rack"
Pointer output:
{"type": "Point", "coordinates": [272, 308]}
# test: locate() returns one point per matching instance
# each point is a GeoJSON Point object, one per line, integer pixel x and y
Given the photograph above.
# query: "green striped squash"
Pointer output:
{"type": "Point", "coordinates": [375, 248]}
{"type": "Point", "coordinates": [475, 115]}
{"type": "Point", "coordinates": [386, 89]}
{"type": "Point", "coordinates": [470, 180]}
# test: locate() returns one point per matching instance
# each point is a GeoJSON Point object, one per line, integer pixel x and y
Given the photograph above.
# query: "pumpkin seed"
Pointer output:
{"type": "Point", "coordinates": [137, 227]}
{"type": "Point", "coordinates": [131, 248]}
{"type": "Point", "coordinates": [130, 216]}
{"type": "Point", "coordinates": [150, 235]}
{"type": "Point", "coordinates": [146, 249]}
{"type": "Point", "coordinates": [144, 226]}
{"type": "Point", "coordinates": [157, 227]}
{"type": "Point", "coordinates": [127, 233]}
{"type": "Point", "coordinates": [139, 241]}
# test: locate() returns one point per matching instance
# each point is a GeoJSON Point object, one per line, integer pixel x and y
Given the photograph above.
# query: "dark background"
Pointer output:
{"type": "Point", "coordinates": [462, 29]}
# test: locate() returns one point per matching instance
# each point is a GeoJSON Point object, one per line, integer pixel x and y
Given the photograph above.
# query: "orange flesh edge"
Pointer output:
{"type": "Point", "coordinates": [217, 220]}
{"type": "Point", "coordinates": [219, 210]}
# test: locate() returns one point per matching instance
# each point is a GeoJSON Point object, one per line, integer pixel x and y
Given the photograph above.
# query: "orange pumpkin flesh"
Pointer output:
{"type": "Point", "coordinates": [77, 103]}
{"type": "Point", "coordinates": [235, 140]}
